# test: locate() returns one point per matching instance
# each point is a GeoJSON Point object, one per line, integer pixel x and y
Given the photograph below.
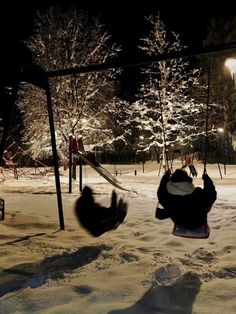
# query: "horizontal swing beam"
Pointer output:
{"type": "Point", "coordinates": [143, 61]}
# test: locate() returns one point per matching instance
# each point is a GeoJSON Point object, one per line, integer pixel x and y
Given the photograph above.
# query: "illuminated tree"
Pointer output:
{"type": "Point", "coordinates": [166, 111]}
{"type": "Point", "coordinates": [65, 39]}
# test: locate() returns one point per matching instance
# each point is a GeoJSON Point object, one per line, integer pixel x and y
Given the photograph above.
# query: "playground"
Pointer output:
{"type": "Point", "coordinates": [70, 116]}
{"type": "Point", "coordinates": [138, 268]}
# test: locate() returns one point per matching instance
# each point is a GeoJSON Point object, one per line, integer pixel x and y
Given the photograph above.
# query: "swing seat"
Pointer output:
{"type": "Point", "coordinates": [199, 233]}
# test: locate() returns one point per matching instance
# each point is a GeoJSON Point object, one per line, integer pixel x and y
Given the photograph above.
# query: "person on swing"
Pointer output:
{"type": "Point", "coordinates": [98, 219]}
{"type": "Point", "coordinates": [186, 205]}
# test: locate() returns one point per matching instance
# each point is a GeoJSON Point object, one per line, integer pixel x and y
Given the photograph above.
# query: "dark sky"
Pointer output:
{"type": "Point", "coordinates": [124, 20]}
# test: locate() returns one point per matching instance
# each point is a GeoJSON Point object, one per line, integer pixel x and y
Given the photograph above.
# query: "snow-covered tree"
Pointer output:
{"type": "Point", "coordinates": [118, 114]}
{"type": "Point", "coordinates": [65, 39]}
{"type": "Point", "coordinates": [166, 111]}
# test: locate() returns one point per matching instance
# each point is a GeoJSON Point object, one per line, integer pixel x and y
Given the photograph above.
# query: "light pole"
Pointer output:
{"type": "Point", "coordinates": [220, 132]}
{"type": "Point", "coordinates": [223, 145]}
{"type": "Point", "coordinates": [230, 63]}
{"type": "Point", "coordinates": [141, 137]}
{"type": "Point", "coordinates": [221, 148]}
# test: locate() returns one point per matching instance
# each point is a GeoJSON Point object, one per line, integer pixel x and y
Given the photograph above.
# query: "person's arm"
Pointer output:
{"type": "Point", "coordinates": [209, 188]}
{"type": "Point", "coordinates": [162, 213]}
{"type": "Point", "coordinates": [113, 200]}
{"type": "Point", "coordinates": [161, 191]}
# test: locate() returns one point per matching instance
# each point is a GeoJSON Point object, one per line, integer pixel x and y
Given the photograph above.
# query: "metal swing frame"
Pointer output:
{"type": "Point", "coordinates": [37, 76]}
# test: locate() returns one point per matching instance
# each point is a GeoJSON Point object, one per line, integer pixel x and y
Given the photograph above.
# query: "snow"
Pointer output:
{"type": "Point", "coordinates": [139, 268]}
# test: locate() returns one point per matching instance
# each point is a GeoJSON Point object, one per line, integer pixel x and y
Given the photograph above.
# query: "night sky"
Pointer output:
{"type": "Point", "coordinates": [124, 20]}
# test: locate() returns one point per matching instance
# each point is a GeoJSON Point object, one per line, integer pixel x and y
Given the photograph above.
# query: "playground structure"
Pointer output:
{"type": "Point", "coordinates": [14, 165]}
{"type": "Point", "coordinates": [37, 76]}
{"type": "Point", "coordinates": [186, 158]}
{"type": "Point", "coordinates": [76, 148]}
{"type": "Point", "coordinates": [102, 171]}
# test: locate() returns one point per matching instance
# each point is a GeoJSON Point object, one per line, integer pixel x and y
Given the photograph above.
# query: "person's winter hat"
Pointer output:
{"type": "Point", "coordinates": [180, 175]}
{"type": "Point", "coordinates": [180, 183]}
{"type": "Point", "coordinates": [87, 191]}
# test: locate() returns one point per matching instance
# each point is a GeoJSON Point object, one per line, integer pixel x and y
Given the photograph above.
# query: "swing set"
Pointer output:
{"type": "Point", "coordinates": [37, 76]}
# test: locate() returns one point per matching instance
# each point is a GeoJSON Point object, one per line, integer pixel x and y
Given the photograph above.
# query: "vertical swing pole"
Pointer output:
{"type": "Point", "coordinates": [207, 113]}
{"type": "Point", "coordinates": [37, 76]}
{"type": "Point", "coordinates": [80, 174]}
{"type": "Point", "coordinates": [163, 134]}
{"type": "Point", "coordinates": [54, 151]}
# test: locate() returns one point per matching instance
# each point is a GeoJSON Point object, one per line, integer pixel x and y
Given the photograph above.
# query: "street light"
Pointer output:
{"type": "Point", "coordinates": [220, 130]}
{"type": "Point", "coordinates": [230, 63]}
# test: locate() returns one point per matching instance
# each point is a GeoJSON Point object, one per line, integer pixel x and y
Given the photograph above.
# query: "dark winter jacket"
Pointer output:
{"type": "Point", "coordinates": [190, 206]}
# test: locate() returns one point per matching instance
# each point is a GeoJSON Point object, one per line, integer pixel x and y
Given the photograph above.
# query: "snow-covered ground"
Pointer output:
{"type": "Point", "coordinates": [140, 268]}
